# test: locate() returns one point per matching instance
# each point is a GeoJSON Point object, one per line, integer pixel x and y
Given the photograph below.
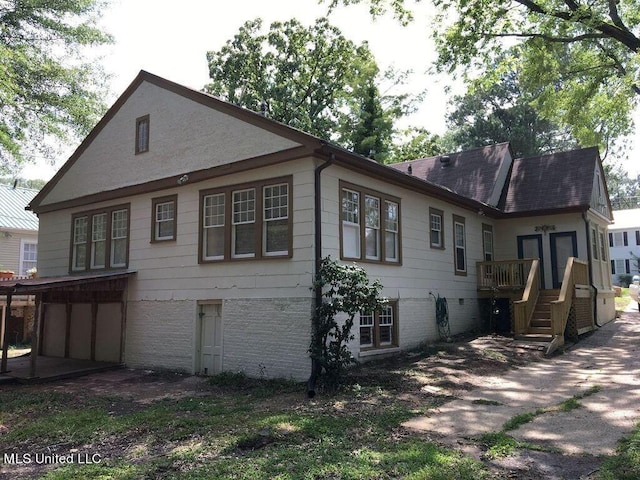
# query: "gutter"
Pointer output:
{"type": "Point", "coordinates": [587, 226]}
{"type": "Point", "coordinates": [316, 367]}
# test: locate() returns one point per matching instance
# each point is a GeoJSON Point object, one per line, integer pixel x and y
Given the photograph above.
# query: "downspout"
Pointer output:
{"type": "Point", "coordinates": [316, 367]}
{"type": "Point", "coordinates": [590, 266]}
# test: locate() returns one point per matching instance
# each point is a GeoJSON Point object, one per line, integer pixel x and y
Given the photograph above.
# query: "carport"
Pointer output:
{"type": "Point", "coordinates": [80, 317]}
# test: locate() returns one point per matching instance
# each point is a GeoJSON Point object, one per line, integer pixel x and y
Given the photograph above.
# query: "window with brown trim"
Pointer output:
{"type": "Point", "coordinates": [379, 329]}
{"type": "Point", "coordinates": [487, 242]}
{"type": "Point", "coordinates": [142, 134]}
{"type": "Point", "coordinates": [100, 239]}
{"type": "Point", "coordinates": [459, 245]}
{"type": "Point", "coordinates": [369, 225]}
{"type": "Point", "coordinates": [246, 221]}
{"type": "Point", "coordinates": [164, 212]}
{"type": "Point", "coordinates": [436, 230]}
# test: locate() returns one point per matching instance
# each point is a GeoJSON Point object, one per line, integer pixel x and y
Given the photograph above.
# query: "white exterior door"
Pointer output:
{"type": "Point", "coordinates": [210, 339]}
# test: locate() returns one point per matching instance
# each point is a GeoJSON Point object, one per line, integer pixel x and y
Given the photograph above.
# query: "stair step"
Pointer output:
{"type": "Point", "coordinates": [541, 322]}
{"type": "Point", "coordinates": [534, 337]}
{"type": "Point", "coordinates": [540, 330]}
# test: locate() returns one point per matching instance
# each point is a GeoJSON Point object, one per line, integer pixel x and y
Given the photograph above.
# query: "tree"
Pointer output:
{"type": "Point", "coordinates": [578, 60]}
{"type": "Point", "coordinates": [313, 79]}
{"type": "Point", "coordinates": [47, 91]}
{"type": "Point", "coordinates": [414, 143]}
{"type": "Point", "coordinates": [346, 290]}
{"type": "Point", "coordinates": [494, 112]}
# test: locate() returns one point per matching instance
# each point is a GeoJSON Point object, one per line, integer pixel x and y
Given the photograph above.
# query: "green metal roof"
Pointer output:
{"type": "Point", "coordinates": [12, 213]}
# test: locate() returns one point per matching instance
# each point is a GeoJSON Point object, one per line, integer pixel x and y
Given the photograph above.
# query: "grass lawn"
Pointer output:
{"type": "Point", "coordinates": [233, 428]}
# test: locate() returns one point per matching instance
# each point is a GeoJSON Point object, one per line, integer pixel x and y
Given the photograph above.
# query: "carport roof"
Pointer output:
{"type": "Point", "coordinates": [28, 286]}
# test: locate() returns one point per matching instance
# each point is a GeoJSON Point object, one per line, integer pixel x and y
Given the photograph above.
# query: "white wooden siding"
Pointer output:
{"type": "Point", "coordinates": [199, 136]}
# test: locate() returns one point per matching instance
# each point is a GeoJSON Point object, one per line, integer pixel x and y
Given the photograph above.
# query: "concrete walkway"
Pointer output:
{"type": "Point", "coordinates": [609, 358]}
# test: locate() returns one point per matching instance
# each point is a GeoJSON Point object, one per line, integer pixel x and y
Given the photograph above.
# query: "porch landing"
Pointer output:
{"type": "Point", "coordinates": [50, 369]}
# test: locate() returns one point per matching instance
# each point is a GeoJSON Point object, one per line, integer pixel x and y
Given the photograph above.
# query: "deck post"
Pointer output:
{"type": "Point", "coordinates": [94, 324]}
{"type": "Point", "coordinates": [67, 334]}
{"type": "Point", "coordinates": [35, 334]}
{"type": "Point", "coordinates": [3, 334]}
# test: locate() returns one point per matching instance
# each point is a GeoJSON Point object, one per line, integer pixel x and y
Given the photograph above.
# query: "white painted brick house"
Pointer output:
{"type": "Point", "coordinates": [216, 216]}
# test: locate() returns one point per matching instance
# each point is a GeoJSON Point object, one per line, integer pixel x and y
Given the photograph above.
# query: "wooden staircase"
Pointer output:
{"type": "Point", "coordinates": [539, 331]}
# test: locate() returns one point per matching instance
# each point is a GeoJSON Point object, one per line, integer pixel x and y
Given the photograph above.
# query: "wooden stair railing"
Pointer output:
{"type": "Point", "coordinates": [523, 309]}
{"type": "Point", "coordinates": [576, 273]}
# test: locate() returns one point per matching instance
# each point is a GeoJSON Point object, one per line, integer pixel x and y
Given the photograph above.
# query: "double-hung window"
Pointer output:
{"type": "Point", "coordinates": [379, 329]}
{"type": "Point", "coordinates": [246, 221]}
{"type": "Point", "coordinates": [28, 256]}
{"type": "Point", "coordinates": [436, 233]}
{"type": "Point", "coordinates": [618, 239]}
{"type": "Point", "coordinates": [275, 237]}
{"type": "Point", "coordinates": [100, 239]}
{"type": "Point", "coordinates": [164, 214]}
{"type": "Point", "coordinates": [369, 226]}
{"type": "Point", "coordinates": [460, 245]}
{"type": "Point", "coordinates": [213, 227]}
{"type": "Point", "coordinates": [243, 231]}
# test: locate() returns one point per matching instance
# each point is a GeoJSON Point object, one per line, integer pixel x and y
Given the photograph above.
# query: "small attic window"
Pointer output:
{"type": "Point", "coordinates": [142, 134]}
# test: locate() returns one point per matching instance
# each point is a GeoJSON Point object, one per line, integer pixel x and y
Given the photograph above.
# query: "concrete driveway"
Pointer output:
{"type": "Point", "coordinates": [609, 358]}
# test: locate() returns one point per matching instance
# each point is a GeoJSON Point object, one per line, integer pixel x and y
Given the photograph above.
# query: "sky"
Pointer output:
{"type": "Point", "coordinates": [171, 38]}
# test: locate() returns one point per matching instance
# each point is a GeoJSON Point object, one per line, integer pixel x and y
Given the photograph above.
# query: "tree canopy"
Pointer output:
{"type": "Point", "coordinates": [311, 78]}
{"type": "Point", "coordinates": [494, 112]}
{"type": "Point", "coordinates": [578, 59]}
{"type": "Point", "coordinates": [47, 90]}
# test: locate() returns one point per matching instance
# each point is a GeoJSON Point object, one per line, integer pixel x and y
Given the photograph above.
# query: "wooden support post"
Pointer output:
{"type": "Point", "coordinates": [94, 323]}
{"type": "Point", "coordinates": [43, 318]}
{"type": "Point", "coordinates": [67, 334]}
{"type": "Point", "coordinates": [123, 319]}
{"type": "Point", "coordinates": [3, 334]}
{"type": "Point", "coordinates": [35, 340]}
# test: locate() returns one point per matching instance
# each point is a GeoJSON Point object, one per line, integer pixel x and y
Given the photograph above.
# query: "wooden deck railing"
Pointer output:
{"type": "Point", "coordinates": [575, 273]}
{"type": "Point", "coordinates": [523, 309]}
{"type": "Point", "coordinates": [503, 274]}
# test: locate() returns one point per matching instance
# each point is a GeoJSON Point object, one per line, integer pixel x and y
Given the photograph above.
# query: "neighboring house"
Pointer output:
{"type": "Point", "coordinates": [184, 233]}
{"type": "Point", "coordinates": [624, 243]}
{"type": "Point", "coordinates": [18, 230]}
{"type": "Point", "coordinates": [18, 252]}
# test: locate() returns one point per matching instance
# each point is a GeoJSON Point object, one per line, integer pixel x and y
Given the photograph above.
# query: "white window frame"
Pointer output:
{"type": "Point", "coordinates": [80, 238]}
{"type": "Point", "coordinates": [97, 239]}
{"type": "Point", "coordinates": [459, 244]}
{"type": "Point", "coordinates": [119, 232]}
{"type": "Point", "coordinates": [23, 252]}
{"type": "Point", "coordinates": [435, 228]}
{"type": "Point", "coordinates": [163, 216]}
{"type": "Point", "coordinates": [246, 217]}
{"type": "Point", "coordinates": [351, 221]}
{"type": "Point", "coordinates": [274, 213]}
{"type": "Point", "coordinates": [212, 217]}
{"type": "Point", "coordinates": [392, 228]}
{"type": "Point", "coordinates": [372, 225]}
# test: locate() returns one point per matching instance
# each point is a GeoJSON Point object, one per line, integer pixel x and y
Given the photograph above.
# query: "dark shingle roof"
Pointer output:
{"type": "Point", "coordinates": [549, 182]}
{"type": "Point", "coordinates": [12, 212]}
{"type": "Point", "coordinates": [472, 174]}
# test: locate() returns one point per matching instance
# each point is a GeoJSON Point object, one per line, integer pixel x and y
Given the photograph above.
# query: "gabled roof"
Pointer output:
{"type": "Point", "coordinates": [310, 146]}
{"type": "Point", "coordinates": [551, 182]}
{"type": "Point", "coordinates": [12, 208]}
{"type": "Point", "coordinates": [472, 173]}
